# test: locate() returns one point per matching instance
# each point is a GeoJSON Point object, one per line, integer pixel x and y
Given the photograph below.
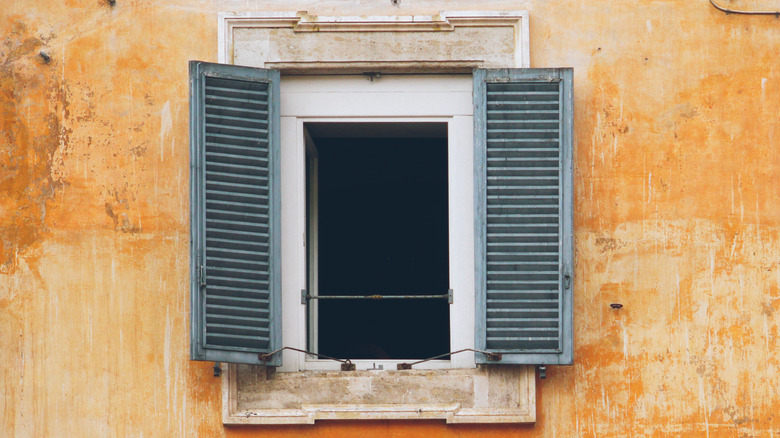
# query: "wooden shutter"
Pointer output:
{"type": "Point", "coordinates": [235, 246]}
{"type": "Point", "coordinates": [523, 184]}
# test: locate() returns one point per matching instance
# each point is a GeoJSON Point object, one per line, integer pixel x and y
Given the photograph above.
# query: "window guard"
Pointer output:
{"type": "Point", "coordinates": [305, 296]}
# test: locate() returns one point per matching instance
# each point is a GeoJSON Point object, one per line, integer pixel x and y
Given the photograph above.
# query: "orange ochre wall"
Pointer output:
{"type": "Point", "coordinates": [677, 217]}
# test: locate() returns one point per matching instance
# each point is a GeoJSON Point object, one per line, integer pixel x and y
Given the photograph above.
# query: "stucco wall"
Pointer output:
{"type": "Point", "coordinates": [677, 216]}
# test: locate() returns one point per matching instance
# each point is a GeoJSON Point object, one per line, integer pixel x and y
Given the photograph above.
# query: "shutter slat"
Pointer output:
{"type": "Point", "coordinates": [238, 101]}
{"type": "Point", "coordinates": [216, 290]}
{"type": "Point", "coordinates": [240, 131]}
{"type": "Point", "coordinates": [235, 280]}
{"type": "Point", "coordinates": [236, 244]}
{"type": "Point", "coordinates": [257, 149]}
{"type": "Point", "coordinates": [524, 322]}
{"type": "Point", "coordinates": [234, 206]}
{"type": "Point", "coordinates": [547, 120]}
{"type": "Point", "coordinates": [224, 195]}
{"type": "Point", "coordinates": [238, 119]}
{"type": "Point", "coordinates": [521, 139]}
{"type": "Point", "coordinates": [237, 273]}
{"type": "Point", "coordinates": [228, 135]}
{"type": "Point", "coordinates": [217, 262]}
{"type": "Point", "coordinates": [236, 301]}
{"type": "Point", "coordinates": [214, 89]}
{"type": "Point", "coordinates": [523, 303]}
{"type": "Point", "coordinates": [223, 157]}
{"type": "Point", "coordinates": [246, 313]}
{"type": "Point", "coordinates": [240, 178]}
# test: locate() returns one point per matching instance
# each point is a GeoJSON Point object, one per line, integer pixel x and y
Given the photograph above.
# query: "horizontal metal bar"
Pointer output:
{"type": "Point", "coordinates": [375, 297]}
{"type": "Point", "coordinates": [305, 296]}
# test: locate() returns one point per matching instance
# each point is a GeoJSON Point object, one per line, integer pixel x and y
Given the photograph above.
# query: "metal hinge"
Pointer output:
{"type": "Point", "coordinates": [202, 276]}
{"type": "Point", "coordinates": [567, 281]}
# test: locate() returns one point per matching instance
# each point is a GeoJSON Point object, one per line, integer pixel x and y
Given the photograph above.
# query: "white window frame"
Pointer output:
{"type": "Point", "coordinates": [389, 98]}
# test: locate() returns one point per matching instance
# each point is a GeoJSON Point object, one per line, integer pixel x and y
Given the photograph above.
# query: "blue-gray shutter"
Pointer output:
{"type": "Point", "coordinates": [523, 201]}
{"type": "Point", "coordinates": [235, 246]}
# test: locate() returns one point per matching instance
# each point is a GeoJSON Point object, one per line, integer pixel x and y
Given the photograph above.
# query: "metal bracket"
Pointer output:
{"type": "Point", "coordinates": [217, 369]}
{"type": "Point", "coordinates": [449, 296]}
{"type": "Point", "coordinates": [372, 75]}
{"type": "Point", "coordinates": [542, 372]}
{"type": "Point", "coordinates": [567, 281]}
{"type": "Point", "coordinates": [347, 366]}
{"type": "Point", "coordinates": [304, 296]}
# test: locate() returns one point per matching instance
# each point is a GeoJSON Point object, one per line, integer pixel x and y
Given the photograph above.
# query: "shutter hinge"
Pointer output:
{"type": "Point", "coordinates": [304, 296]}
{"type": "Point", "coordinates": [202, 276]}
{"type": "Point", "coordinates": [494, 357]}
{"type": "Point", "coordinates": [449, 296]}
{"type": "Point", "coordinates": [567, 281]}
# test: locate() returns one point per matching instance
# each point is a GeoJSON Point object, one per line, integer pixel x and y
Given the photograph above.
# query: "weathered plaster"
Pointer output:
{"type": "Point", "coordinates": [677, 217]}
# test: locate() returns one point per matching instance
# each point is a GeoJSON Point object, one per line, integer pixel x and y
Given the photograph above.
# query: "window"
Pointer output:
{"type": "Point", "coordinates": [519, 192]}
{"type": "Point", "coordinates": [377, 230]}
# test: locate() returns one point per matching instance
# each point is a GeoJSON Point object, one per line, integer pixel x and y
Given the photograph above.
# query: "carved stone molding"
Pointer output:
{"type": "Point", "coordinates": [299, 42]}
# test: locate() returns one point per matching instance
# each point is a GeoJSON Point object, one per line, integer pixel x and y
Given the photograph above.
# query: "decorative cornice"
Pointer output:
{"type": "Point", "coordinates": [303, 21]}
{"type": "Point", "coordinates": [444, 21]}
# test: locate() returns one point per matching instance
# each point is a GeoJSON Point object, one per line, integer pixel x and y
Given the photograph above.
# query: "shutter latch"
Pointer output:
{"type": "Point", "coordinates": [567, 281]}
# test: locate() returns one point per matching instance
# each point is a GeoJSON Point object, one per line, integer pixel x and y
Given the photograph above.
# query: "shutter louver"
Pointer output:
{"type": "Point", "coordinates": [523, 132]}
{"type": "Point", "coordinates": [234, 212]}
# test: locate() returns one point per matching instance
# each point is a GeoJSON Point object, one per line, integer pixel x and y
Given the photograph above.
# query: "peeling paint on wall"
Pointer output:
{"type": "Point", "coordinates": [32, 129]}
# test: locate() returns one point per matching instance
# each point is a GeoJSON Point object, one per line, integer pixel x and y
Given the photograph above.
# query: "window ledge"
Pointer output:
{"type": "Point", "coordinates": [487, 394]}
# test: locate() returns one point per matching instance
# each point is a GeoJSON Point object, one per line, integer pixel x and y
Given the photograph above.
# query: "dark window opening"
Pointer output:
{"type": "Point", "coordinates": [380, 221]}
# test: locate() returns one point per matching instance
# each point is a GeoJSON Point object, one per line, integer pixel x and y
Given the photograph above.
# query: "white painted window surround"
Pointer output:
{"type": "Point", "coordinates": [389, 98]}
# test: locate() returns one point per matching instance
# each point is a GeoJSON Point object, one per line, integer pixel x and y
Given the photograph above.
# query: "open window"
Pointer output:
{"type": "Point", "coordinates": [377, 240]}
{"type": "Point", "coordinates": [517, 291]}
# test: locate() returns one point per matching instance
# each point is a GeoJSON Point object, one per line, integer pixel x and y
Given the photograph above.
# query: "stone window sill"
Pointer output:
{"type": "Point", "coordinates": [487, 394]}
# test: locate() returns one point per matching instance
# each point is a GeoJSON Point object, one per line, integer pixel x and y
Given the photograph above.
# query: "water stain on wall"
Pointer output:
{"type": "Point", "coordinates": [33, 104]}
